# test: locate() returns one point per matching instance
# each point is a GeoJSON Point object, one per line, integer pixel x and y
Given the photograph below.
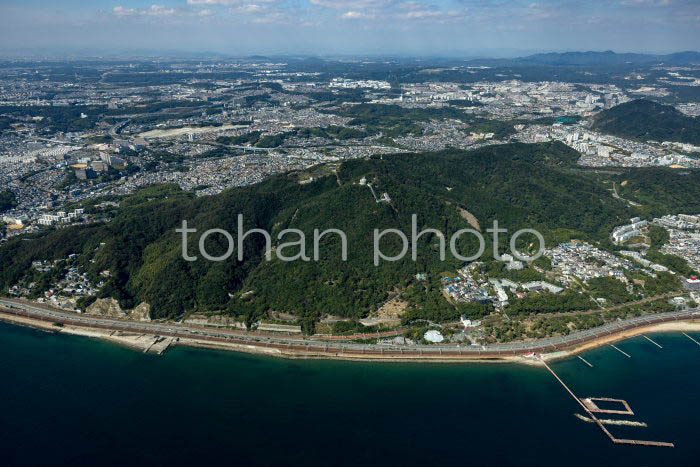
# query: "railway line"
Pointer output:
{"type": "Point", "coordinates": [310, 345]}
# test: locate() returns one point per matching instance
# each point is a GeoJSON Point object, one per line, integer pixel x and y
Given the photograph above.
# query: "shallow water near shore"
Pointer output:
{"type": "Point", "coordinates": [71, 399]}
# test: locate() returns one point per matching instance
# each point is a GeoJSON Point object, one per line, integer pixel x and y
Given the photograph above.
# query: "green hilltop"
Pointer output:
{"type": "Point", "coordinates": [520, 185]}
{"type": "Point", "coordinates": [644, 120]}
{"type": "Point", "coordinates": [7, 200]}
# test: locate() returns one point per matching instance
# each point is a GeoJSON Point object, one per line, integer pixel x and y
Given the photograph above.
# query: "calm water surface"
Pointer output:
{"type": "Point", "coordinates": [74, 400]}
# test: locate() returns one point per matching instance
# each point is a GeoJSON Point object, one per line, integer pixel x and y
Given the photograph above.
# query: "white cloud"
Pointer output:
{"type": "Point", "coordinates": [121, 11]}
{"type": "Point", "coordinates": [154, 10]}
{"type": "Point", "coordinates": [357, 15]}
{"type": "Point", "coordinates": [248, 9]}
{"type": "Point", "coordinates": [259, 12]}
{"type": "Point", "coordinates": [391, 10]}
{"type": "Point", "coordinates": [421, 14]}
{"type": "Point", "coordinates": [414, 6]}
{"type": "Point", "coordinates": [352, 5]}
{"type": "Point", "coordinates": [160, 10]}
{"type": "Point", "coordinates": [541, 11]}
{"type": "Point", "coordinates": [271, 18]}
{"type": "Point", "coordinates": [227, 2]}
{"type": "Point", "coordinates": [646, 2]}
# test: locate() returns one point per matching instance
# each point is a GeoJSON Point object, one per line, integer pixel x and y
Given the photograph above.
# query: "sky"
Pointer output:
{"type": "Point", "coordinates": [349, 27]}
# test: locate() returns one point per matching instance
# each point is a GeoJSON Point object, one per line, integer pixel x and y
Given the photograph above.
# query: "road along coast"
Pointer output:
{"type": "Point", "coordinates": [157, 336]}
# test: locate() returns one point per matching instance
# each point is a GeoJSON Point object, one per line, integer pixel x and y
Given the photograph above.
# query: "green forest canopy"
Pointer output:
{"type": "Point", "coordinates": [7, 200]}
{"type": "Point", "coordinates": [520, 185]}
{"type": "Point", "coordinates": [645, 120]}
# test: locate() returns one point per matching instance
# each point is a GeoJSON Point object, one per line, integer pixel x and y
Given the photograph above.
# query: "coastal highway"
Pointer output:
{"type": "Point", "coordinates": [315, 346]}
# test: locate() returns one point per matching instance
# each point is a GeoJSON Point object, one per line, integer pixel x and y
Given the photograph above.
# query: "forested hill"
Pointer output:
{"type": "Point", "coordinates": [609, 58]}
{"type": "Point", "coordinates": [7, 200]}
{"type": "Point", "coordinates": [522, 186]}
{"type": "Point", "coordinates": [645, 120]}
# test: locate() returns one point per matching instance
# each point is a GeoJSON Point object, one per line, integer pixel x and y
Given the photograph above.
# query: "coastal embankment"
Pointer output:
{"type": "Point", "coordinates": [157, 336]}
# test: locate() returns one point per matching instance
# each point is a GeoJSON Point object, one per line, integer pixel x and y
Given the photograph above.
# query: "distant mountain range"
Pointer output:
{"type": "Point", "coordinates": [645, 120]}
{"type": "Point", "coordinates": [610, 58]}
{"type": "Point", "coordinates": [607, 58]}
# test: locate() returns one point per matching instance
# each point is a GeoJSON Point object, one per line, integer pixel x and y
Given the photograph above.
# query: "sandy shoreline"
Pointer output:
{"type": "Point", "coordinates": [674, 326]}
{"type": "Point", "coordinates": [135, 341]}
{"type": "Point", "coordinates": [146, 342]}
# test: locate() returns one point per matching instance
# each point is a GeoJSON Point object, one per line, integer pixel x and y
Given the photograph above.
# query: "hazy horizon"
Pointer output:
{"type": "Point", "coordinates": [447, 28]}
{"type": "Point", "coordinates": [147, 54]}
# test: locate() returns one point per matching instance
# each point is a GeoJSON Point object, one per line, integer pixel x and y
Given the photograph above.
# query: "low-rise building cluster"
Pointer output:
{"type": "Point", "coordinates": [576, 262]}
{"type": "Point", "coordinates": [625, 232]}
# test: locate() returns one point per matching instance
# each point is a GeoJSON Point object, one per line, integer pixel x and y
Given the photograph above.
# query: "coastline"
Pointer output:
{"type": "Point", "coordinates": [135, 341]}
{"type": "Point", "coordinates": [674, 326]}
{"type": "Point", "coordinates": [152, 343]}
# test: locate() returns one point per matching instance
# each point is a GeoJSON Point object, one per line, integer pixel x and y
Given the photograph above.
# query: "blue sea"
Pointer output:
{"type": "Point", "coordinates": [68, 400]}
